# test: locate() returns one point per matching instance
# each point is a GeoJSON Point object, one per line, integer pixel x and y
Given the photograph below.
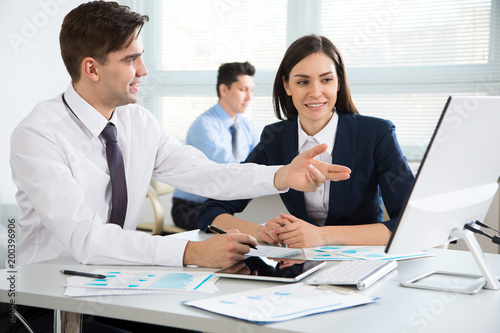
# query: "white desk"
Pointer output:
{"type": "Point", "coordinates": [399, 309]}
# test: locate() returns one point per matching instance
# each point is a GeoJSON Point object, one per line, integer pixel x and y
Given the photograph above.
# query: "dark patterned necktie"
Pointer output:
{"type": "Point", "coordinates": [234, 142]}
{"type": "Point", "coordinates": [117, 174]}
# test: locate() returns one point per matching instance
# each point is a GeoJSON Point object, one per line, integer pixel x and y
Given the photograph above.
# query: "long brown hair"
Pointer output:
{"type": "Point", "coordinates": [300, 49]}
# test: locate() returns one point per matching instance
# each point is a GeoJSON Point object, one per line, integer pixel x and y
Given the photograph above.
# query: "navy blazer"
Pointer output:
{"type": "Point", "coordinates": [367, 145]}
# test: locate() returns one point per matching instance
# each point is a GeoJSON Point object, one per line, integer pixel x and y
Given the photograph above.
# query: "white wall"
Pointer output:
{"type": "Point", "coordinates": [32, 71]}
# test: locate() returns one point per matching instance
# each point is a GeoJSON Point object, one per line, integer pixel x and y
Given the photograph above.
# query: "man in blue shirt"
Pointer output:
{"type": "Point", "coordinates": [221, 133]}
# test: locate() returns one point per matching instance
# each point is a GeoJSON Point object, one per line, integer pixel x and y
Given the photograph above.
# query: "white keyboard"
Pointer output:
{"type": "Point", "coordinates": [360, 273]}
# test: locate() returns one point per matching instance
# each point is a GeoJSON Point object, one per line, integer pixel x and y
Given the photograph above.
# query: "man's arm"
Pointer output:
{"type": "Point", "coordinates": [189, 170]}
{"type": "Point", "coordinates": [307, 174]}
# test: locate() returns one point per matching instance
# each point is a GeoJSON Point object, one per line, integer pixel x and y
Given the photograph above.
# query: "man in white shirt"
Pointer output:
{"type": "Point", "coordinates": [58, 158]}
{"type": "Point", "coordinates": [59, 161]}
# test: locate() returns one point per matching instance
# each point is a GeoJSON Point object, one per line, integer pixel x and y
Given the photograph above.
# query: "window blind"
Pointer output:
{"type": "Point", "coordinates": [403, 58]}
{"type": "Point", "coordinates": [191, 39]}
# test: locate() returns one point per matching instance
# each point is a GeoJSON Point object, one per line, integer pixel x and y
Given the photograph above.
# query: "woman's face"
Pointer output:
{"type": "Point", "coordinates": [313, 86]}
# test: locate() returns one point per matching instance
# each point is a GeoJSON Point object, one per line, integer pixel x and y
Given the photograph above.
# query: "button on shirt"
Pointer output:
{"type": "Point", "coordinates": [59, 166]}
{"type": "Point", "coordinates": [212, 134]}
{"type": "Point", "coordinates": [317, 202]}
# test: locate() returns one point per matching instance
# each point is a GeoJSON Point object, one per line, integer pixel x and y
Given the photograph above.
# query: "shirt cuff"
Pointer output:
{"type": "Point", "coordinates": [268, 175]}
{"type": "Point", "coordinates": [170, 251]}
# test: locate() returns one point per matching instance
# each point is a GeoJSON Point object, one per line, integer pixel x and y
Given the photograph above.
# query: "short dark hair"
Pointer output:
{"type": "Point", "coordinates": [95, 29]}
{"type": "Point", "coordinates": [300, 49]}
{"type": "Point", "coordinates": [229, 72]}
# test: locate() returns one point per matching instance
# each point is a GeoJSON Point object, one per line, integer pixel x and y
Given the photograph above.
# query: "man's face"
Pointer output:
{"type": "Point", "coordinates": [236, 99]}
{"type": "Point", "coordinates": [121, 74]}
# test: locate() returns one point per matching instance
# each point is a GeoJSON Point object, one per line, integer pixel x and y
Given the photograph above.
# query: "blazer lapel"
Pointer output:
{"type": "Point", "coordinates": [344, 153]}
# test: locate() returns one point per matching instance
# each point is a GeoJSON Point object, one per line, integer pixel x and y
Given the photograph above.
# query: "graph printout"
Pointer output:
{"type": "Point", "coordinates": [152, 280]}
{"type": "Point", "coordinates": [357, 252]}
{"type": "Point", "coordinates": [279, 303]}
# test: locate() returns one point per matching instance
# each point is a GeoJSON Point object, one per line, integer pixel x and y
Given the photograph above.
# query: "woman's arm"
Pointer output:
{"type": "Point", "coordinates": [299, 233]}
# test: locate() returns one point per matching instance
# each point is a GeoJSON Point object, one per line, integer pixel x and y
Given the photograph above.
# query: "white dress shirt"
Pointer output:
{"type": "Point", "coordinates": [59, 166]}
{"type": "Point", "coordinates": [317, 202]}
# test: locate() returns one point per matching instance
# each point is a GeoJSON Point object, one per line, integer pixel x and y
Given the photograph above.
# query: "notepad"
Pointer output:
{"type": "Point", "coordinates": [274, 252]}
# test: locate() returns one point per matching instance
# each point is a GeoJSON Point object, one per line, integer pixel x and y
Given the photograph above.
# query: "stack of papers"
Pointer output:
{"type": "Point", "coordinates": [280, 303]}
{"type": "Point", "coordinates": [358, 252]}
{"type": "Point", "coordinates": [126, 282]}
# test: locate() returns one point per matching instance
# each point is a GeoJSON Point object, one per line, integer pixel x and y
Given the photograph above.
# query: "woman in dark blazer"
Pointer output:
{"type": "Point", "coordinates": [311, 93]}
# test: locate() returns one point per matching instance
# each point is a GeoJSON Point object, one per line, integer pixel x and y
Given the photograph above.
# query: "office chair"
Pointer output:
{"type": "Point", "coordinates": [5, 311]}
{"type": "Point", "coordinates": [158, 227]}
{"type": "Point", "coordinates": [23, 321]}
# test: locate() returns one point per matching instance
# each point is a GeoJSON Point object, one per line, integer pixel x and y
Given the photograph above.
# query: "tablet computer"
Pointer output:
{"type": "Point", "coordinates": [271, 269]}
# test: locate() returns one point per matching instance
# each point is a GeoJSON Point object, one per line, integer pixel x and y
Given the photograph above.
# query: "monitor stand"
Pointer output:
{"type": "Point", "coordinates": [459, 282]}
{"type": "Point", "coordinates": [474, 247]}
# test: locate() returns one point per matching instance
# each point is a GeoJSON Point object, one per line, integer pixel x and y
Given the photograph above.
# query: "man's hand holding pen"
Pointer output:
{"type": "Point", "coordinates": [218, 230]}
{"type": "Point", "coordinates": [220, 250]}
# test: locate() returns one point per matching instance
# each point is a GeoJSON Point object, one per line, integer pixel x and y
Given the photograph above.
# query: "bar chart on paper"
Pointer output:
{"type": "Point", "coordinates": [357, 252]}
{"type": "Point", "coordinates": [152, 280]}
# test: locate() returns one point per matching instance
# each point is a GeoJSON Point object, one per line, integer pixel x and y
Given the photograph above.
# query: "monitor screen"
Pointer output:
{"type": "Point", "coordinates": [457, 179]}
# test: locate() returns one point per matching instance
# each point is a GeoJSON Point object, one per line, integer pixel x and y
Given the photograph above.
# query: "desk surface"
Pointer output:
{"type": "Point", "coordinates": [399, 309]}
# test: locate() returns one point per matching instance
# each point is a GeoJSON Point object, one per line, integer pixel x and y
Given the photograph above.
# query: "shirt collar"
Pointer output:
{"type": "Point", "coordinates": [90, 117]}
{"type": "Point", "coordinates": [226, 119]}
{"type": "Point", "coordinates": [326, 135]}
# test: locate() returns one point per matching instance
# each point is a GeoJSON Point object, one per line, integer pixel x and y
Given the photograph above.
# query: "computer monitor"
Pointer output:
{"type": "Point", "coordinates": [456, 181]}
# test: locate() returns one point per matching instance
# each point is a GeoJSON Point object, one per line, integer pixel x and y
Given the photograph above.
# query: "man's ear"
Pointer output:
{"type": "Point", "coordinates": [223, 90]}
{"type": "Point", "coordinates": [90, 69]}
{"type": "Point", "coordinates": [287, 88]}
